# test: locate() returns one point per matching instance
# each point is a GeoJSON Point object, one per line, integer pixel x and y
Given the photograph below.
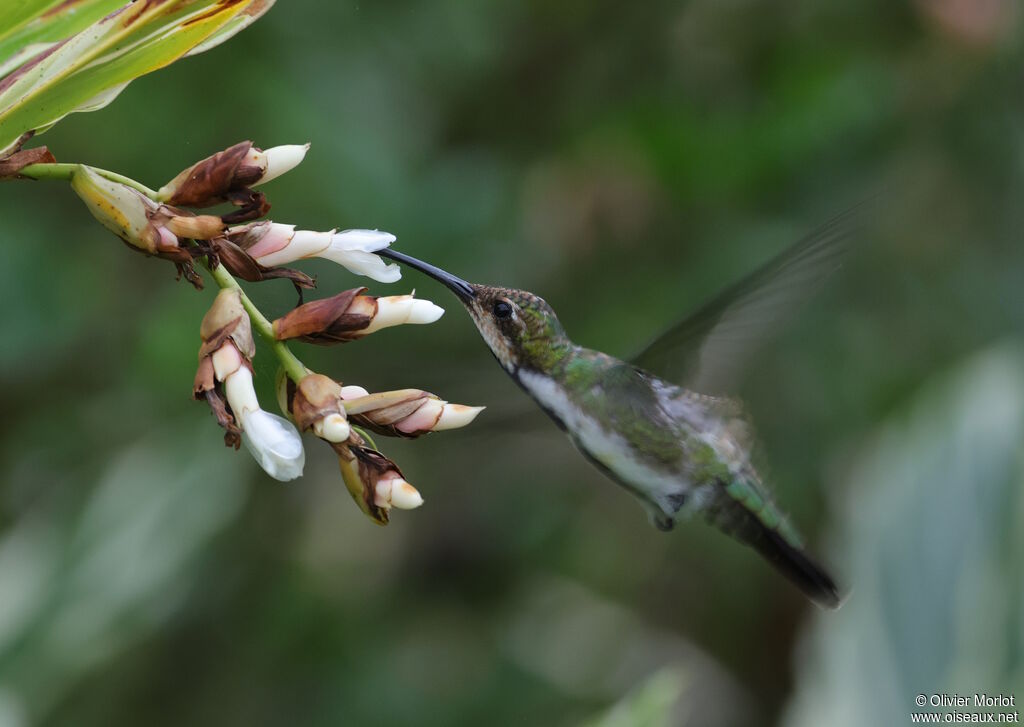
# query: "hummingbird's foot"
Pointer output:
{"type": "Point", "coordinates": [662, 522]}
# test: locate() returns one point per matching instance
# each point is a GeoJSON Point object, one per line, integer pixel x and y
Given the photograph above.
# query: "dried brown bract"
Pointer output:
{"type": "Point", "coordinates": [14, 163]}
{"type": "Point", "coordinates": [241, 264]}
{"type": "Point", "coordinates": [341, 318]}
{"type": "Point", "coordinates": [374, 481]}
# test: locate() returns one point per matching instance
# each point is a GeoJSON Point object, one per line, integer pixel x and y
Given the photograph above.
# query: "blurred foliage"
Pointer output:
{"type": "Point", "coordinates": [625, 162]}
{"type": "Point", "coordinates": [940, 593]}
{"type": "Point", "coordinates": [650, 705]}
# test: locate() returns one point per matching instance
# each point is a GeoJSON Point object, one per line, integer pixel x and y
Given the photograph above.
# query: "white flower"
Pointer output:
{"type": "Point", "coordinates": [279, 244]}
{"type": "Point", "coordinates": [394, 310]}
{"type": "Point", "coordinates": [273, 441]}
{"type": "Point", "coordinates": [437, 416]}
{"type": "Point", "coordinates": [454, 416]}
{"type": "Point", "coordinates": [277, 160]}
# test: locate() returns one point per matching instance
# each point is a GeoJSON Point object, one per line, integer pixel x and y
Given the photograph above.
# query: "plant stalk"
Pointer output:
{"type": "Point", "coordinates": [292, 366]}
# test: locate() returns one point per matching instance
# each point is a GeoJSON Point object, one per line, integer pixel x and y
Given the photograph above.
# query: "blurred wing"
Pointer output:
{"type": "Point", "coordinates": [707, 351]}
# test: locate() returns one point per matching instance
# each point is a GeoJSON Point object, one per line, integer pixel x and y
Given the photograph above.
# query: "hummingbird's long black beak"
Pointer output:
{"type": "Point", "coordinates": [457, 285]}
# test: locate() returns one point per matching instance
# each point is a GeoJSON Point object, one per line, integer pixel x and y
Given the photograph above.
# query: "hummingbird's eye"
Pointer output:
{"type": "Point", "coordinates": [502, 309]}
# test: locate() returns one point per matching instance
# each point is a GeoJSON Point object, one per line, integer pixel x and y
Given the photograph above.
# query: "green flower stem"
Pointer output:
{"type": "Point", "coordinates": [365, 435]}
{"type": "Point", "coordinates": [64, 172]}
{"type": "Point", "coordinates": [292, 366]}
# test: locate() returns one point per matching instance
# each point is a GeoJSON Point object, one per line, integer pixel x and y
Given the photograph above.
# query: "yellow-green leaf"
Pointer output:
{"type": "Point", "coordinates": [85, 71]}
{"type": "Point", "coordinates": [28, 23]}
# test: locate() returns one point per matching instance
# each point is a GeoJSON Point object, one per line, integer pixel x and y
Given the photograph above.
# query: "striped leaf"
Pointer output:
{"type": "Point", "coordinates": [58, 57]}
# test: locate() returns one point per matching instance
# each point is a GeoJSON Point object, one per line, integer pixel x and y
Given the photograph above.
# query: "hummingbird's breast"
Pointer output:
{"type": "Point", "coordinates": [654, 439]}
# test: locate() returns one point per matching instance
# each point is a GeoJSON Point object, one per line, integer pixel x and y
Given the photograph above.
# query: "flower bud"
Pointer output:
{"type": "Point", "coordinates": [139, 221]}
{"type": "Point", "coordinates": [375, 482]}
{"type": "Point", "coordinates": [277, 160]}
{"type": "Point", "coordinates": [333, 428]}
{"type": "Point", "coordinates": [408, 413]}
{"type": "Point", "coordinates": [350, 315]}
{"type": "Point", "coordinates": [353, 392]}
{"type": "Point", "coordinates": [121, 209]}
{"type": "Point", "coordinates": [195, 227]}
{"type": "Point", "coordinates": [273, 243]}
{"type": "Point", "coordinates": [337, 319]}
{"type": "Point", "coordinates": [316, 405]}
{"type": "Point", "coordinates": [451, 416]}
{"type": "Point", "coordinates": [224, 176]}
{"type": "Point", "coordinates": [396, 492]}
{"type": "Point", "coordinates": [394, 310]}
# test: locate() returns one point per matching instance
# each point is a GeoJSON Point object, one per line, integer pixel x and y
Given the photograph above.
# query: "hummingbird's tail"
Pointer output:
{"type": "Point", "coordinates": [743, 510]}
{"type": "Point", "coordinates": [794, 563]}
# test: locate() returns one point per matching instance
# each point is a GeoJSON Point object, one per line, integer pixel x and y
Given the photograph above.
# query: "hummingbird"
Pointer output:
{"type": "Point", "coordinates": [659, 425]}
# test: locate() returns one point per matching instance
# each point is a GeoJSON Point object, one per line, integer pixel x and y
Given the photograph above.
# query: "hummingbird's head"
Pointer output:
{"type": "Point", "coordinates": [520, 328]}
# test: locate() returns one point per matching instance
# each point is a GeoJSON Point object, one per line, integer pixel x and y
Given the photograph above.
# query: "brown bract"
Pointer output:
{"type": "Point", "coordinates": [362, 468]}
{"type": "Point", "coordinates": [227, 319]}
{"type": "Point", "coordinates": [14, 163]}
{"type": "Point", "coordinates": [337, 319]}
{"type": "Point", "coordinates": [205, 387]}
{"type": "Point", "coordinates": [225, 322]}
{"type": "Point", "coordinates": [315, 397]}
{"type": "Point", "coordinates": [396, 406]}
{"type": "Point", "coordinates": [220, 177]}
{"type": "Point", "coordinates": [208, 182]}
{"type": "Point", "coordinates": [165, 244]}
{"type": "Point", "coordinates": [241, 264]}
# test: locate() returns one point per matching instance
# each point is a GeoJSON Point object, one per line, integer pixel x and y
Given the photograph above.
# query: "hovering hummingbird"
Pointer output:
{"type": "Point", "coordinates": [680, 449]}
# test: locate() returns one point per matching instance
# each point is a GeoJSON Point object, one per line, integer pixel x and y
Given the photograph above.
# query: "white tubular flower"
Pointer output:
{"type": "Point", "coordinates": [396, 492]}
{"type": "Point", "coordinates": [395, 310]}
{"type": "Point", "coordinates": [272, 244]}
{"type": "Point", "coordinates": [437, 416]}
{"type": "Point", "coordinates": [454, 416]}
{"type": "Point", "coordinates": [276, 160]}
{"type": "Point", "coordinates": [273, 441]}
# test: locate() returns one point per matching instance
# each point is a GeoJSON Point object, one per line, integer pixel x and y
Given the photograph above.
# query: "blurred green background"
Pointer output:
{"type": "Point", "coordinates": [624, 161]}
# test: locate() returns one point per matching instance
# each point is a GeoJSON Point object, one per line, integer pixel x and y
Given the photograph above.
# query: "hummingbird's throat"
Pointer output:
{"type": "Point", "coordinates": [500, 347]}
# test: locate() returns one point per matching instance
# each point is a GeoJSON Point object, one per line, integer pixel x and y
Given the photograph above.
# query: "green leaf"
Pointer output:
{"type": "Point", "coordinates": [35, 26]}
{"type": "Point", "coordinates": [85, 71]}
